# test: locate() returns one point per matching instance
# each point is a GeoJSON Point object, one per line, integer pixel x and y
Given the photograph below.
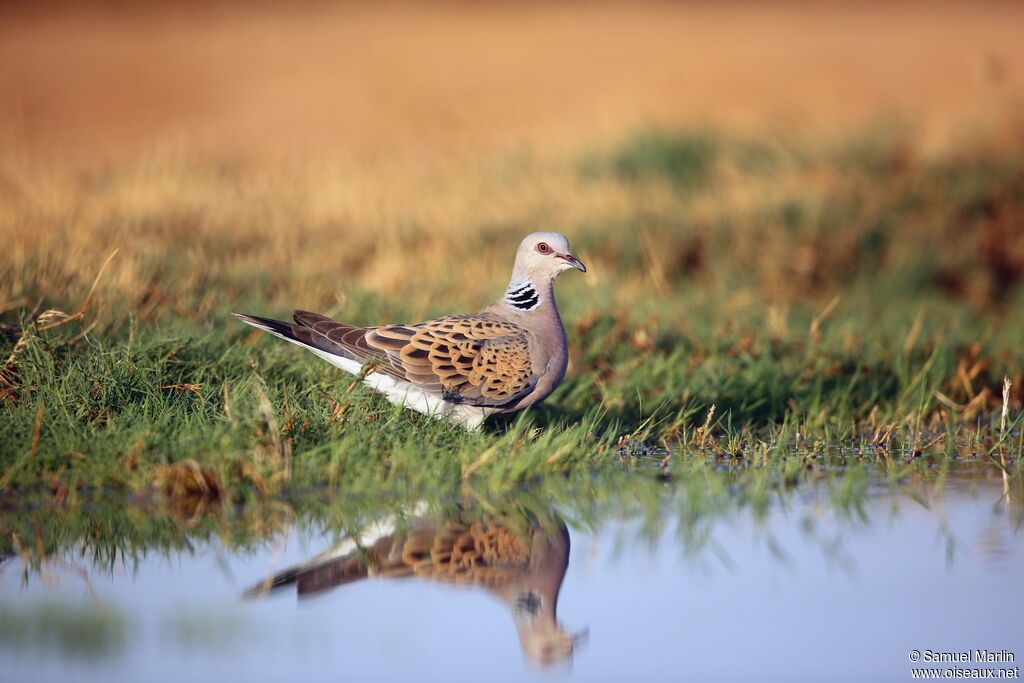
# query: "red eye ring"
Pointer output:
{"type": "Point", "coordinates": [544, 248]}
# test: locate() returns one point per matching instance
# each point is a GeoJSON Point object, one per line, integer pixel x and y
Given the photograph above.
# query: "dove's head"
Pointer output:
{"type": "Point", "coordinates": [544, 641]}
{"type": "Point", "coordinates": [535, 601]}
{"type": "Point", "coordinates": [542, 256]}
{"type": "Point", "coordinates": [547, 645]}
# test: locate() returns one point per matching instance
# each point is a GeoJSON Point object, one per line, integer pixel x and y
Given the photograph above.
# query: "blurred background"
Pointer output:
{"type": "Point", "coordinates": [89, 83]}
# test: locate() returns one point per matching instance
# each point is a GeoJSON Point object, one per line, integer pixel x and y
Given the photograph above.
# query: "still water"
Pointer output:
{"type": "Point", "coordinates": [801, 588]}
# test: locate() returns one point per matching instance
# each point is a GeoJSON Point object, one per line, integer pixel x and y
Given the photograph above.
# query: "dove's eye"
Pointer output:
{"type": "Point", "coordinates": [544, 248]}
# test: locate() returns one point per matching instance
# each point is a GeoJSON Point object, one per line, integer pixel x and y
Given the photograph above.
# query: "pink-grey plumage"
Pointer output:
{"type": "Point", "coordinates": [505, 357]}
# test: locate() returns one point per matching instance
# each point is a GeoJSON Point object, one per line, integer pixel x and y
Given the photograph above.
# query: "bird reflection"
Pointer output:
{"type": "Point", "coordinates": [516, 557]}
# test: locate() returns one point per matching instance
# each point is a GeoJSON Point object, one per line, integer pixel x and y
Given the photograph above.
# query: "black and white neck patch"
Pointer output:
{"type": "Point", "coordinates": [522, 296]}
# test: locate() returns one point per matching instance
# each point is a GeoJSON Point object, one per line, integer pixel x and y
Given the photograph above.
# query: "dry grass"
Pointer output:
{"type": "Point", "coordinates": [796, 226]}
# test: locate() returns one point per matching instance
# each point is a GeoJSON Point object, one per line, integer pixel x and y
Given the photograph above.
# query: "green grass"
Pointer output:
{"type": "Point", "coordinates": [856, 295]}
{"type": "Point", "coordinates": [684, 159]}
{"type": "Point", "coordinates": [266, 417]}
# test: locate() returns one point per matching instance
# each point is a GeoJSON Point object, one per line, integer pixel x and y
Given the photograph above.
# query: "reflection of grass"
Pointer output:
{"type": "Point", "coordinates": [78, 631]}
{"type": "Point", "coordinates": [206, 630]}
{"type": "Point", "coordinates": [114, 534]}
{"type": "Point", "coordinates": [811, 296]}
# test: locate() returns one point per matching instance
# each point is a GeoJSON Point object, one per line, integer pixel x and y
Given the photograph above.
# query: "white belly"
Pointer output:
{"type": "Point", "coordinates": [410, 396]}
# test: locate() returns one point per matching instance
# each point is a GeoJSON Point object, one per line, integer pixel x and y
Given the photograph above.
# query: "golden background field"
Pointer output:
{"type": "Point", "coordinates": [108, 82]}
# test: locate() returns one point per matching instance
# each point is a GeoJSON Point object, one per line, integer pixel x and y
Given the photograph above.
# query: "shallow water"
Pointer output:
{"type": "Point", "coordinates": [802, 589]}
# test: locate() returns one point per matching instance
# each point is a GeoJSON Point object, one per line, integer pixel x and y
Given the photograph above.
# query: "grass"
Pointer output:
{"type": "Point", "coordinates": [685, 160]}
{"type": "Point", "coordinates": [765, 300]}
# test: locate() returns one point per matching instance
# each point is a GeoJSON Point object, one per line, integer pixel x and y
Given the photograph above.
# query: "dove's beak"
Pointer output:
{"type": "Point", "coordinates": [573, 261]}
{"type": "Point", "coordinates": [580, 637]}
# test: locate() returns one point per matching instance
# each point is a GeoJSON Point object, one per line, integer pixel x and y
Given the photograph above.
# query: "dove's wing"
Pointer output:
{"type": "Point", "coordinates": [482, 553]}
{"type": "Point", "coordinates": [475, 359]}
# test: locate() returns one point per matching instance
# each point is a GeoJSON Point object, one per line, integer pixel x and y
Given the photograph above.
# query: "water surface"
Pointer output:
{"type": "Point", "coordinates": [810, 584]}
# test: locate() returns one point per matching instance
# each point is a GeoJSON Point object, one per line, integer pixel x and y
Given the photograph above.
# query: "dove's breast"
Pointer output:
{"type": "Point", "coordinates": [549, 353]}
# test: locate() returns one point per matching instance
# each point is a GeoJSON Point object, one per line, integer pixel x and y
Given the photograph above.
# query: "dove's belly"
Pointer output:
{"type": "Point", "coordinates": [410, 396]}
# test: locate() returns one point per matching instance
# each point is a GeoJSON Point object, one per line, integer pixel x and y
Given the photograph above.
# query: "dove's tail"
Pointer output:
{"type": "Point", "coordinates": [273, 583]}
{"type": "Point", "coordinates": [278, 328]}
{"type": "Point", "coordinates": [309, 338]}
{"type": "Point", "coordinates": [316, 576]}
{"type": "Point", "coordinates": [347, 561]}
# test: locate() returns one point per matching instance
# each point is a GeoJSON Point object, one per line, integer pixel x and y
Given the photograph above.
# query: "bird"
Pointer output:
{"type": "Point", "coordinates": [517, 558]}
{"type": "Point", "coordinates": [463, 368]}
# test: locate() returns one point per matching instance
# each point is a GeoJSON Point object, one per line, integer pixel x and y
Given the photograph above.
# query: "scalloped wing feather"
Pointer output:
{"type": "Point", "coordinates": [482, 553]}
{"type": "Point", "coordinates": [475, 359]}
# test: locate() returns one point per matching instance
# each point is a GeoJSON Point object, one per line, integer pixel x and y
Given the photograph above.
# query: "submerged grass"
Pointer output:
{"type": "Point", "coordinates": [762, 301]}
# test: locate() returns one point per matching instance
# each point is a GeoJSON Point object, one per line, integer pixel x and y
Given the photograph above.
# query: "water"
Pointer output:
{"type": "Point", "coordinates": [809, 586]}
